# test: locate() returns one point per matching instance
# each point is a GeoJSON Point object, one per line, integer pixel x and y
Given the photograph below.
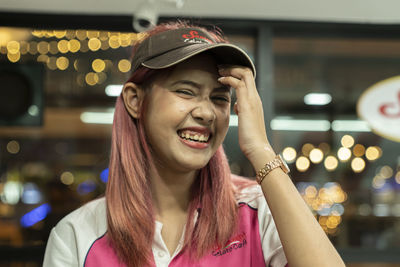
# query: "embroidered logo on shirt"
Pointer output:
{"type": "Point", "coordinates": [237, 242]}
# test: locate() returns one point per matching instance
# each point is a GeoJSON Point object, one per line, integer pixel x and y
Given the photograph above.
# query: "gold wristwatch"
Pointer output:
{"type": "Point", "coordinates": [275, 163]}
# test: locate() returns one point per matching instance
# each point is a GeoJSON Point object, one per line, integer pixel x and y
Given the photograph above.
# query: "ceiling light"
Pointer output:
{"type": "Point", "coordinates": [317, 99]}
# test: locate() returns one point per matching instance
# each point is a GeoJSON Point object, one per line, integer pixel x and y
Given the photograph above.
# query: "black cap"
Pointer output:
{"type": "Point", "coordinates": [174, 46]}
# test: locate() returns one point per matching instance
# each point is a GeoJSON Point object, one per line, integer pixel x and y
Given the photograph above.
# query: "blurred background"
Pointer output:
{"type": "Point", "coordinates": [62, 64]}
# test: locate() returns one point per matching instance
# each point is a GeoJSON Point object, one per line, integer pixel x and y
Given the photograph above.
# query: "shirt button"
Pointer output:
{"type": "Point", "coordinates": [161, 254]}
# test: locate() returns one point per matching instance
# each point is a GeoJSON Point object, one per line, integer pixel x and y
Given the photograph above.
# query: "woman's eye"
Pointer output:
{"type": "Point", "coordinates": [185, 92]}
{"type": "Point", "coordinates": [221, 98]}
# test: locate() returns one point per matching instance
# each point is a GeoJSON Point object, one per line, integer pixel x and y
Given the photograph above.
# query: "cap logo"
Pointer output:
{"type": "Point", "coordinates": [194, 37]}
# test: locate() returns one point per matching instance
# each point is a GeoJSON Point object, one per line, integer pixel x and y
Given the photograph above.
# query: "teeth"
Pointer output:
{"type": "Point", "coordinates": [196, 137]}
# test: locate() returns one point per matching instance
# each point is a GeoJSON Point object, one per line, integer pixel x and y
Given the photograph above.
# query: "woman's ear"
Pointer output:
{"type": "Point", "coordinates": [133, 98]}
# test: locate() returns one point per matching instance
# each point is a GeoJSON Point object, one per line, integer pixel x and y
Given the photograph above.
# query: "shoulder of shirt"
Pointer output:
{"type": "Point", "coordinates": [253, 197]}
{"type": "Point", "coordinates": [89, 219]}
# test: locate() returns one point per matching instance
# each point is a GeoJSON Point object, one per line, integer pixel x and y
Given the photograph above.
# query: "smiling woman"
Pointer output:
{"type": "Point", "coordinates": [171, 199]}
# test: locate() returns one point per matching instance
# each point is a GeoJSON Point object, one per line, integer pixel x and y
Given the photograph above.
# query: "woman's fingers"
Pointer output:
{"type": "Point", "coordinates": [243, 75]}
{"type": "Point", "coordinates": [242, 80]}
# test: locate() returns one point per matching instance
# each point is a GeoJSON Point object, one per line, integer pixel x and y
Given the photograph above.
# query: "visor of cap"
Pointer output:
{"type": "Point", "coordinates": [223, 52]}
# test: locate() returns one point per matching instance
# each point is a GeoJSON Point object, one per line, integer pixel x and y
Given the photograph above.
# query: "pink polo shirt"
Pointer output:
{"type": "Point", "coordinates": [80, 239]}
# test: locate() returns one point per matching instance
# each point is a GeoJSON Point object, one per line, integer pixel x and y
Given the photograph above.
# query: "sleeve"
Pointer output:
{"type": "Point", "coordinates": [71, 239]}
{"type": "Point", "coordinates": [274, 255]}
{"type": "Point", "coordinates": [58, 252]}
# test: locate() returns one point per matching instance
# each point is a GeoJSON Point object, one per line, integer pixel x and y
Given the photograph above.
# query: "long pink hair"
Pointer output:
{"type": "Point", "coordinates": [130, 214]}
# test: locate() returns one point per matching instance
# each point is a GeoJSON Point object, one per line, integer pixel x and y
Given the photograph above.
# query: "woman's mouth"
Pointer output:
{"type": "Point", "coordinates": [194, 136]}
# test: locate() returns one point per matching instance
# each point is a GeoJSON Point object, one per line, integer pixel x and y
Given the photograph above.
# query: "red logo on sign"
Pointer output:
{"type": "Point", "coordinates": [385, 108]}
{"type": "Point", "coordinates": [195, 35]}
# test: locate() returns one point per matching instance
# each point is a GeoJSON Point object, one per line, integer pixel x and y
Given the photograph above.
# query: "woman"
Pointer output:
{"type": "Point", "coordinates": [171, 199]}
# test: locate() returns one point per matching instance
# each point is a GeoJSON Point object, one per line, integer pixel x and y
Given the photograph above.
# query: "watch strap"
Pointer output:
{"type": "Point", "coordinates": [277, 162]}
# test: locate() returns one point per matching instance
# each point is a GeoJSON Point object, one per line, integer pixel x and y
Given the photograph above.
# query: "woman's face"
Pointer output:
{"type": "Point", "coordinates": [187, 116]}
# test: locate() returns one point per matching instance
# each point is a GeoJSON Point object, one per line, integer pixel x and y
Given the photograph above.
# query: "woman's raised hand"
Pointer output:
{"type": "Point", "coordinates": [253, 139]}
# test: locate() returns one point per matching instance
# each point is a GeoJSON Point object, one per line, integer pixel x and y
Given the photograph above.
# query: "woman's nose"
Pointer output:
{"type": "Point", "coordinates": [204, 112]}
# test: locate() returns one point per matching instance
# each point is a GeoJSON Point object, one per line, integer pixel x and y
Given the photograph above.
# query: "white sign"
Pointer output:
{"type": "Point", "coordinates": [379, 105]}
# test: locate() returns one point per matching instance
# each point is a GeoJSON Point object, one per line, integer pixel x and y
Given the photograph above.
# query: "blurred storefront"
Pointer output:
{"type": "Point", "coordinates": [54, 149]}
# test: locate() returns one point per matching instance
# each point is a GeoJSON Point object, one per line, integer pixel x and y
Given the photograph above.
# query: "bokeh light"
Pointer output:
{"type": "Point", "coordinates": [24, 47]}
{"type": "Point", "coordinates": [359, 150]}
{"type": "Point", "coordinates": [105, 45]}
{"type": "Point", "coordinates": [102, 77]}
{"type": "Point", "coordinates": [63, 46]}
{"type": "Point", "coordinates": [53, 49]}
{"type": "Point", "coordinates": [70, 34]}
{"type": "Point", "coordinates": [62, 63]}
{"type": "Point", "coordinates": [347, 141]}
{"type": "Point", "coordinates": [84, 46]}
{"type": "Point", "coordinates": [36, 215]}
{"type": "Point", "coordinates": [80, 34]}
{"type": "Point", "coordinates": [311, 191]}
{"type": "Point", "coordinates": [125, 40]}
{"type": "Point", "coordinates": [43, 47]}
{"type": "Point", "coordinates": [94, 44]}
{"type": "Point", "coordinates": [373, 153]}
{"type": "Point", "coordinates": [316, 155]}
{"type": "Point", "coordinates": [124, 65]}
{"type": "Point", "coordinates": [98, 65]}
{"type": "Point", "coordinates": [67, 178]}
{"type": "Point", "coordinates": [86, 187]}
{"type": "Point", "coordinates": [92, 34]}
{"type": "Point", "coordinates": [302, 164]}
{"type": "Point", "coordinates": [331, 163]}
{"type": "Point", "coordinates": [12, 192]}
{"type": "Point", "coordinates": [104, 175]}
{"type": "Point", "coordinates": [344, 154]}
{"type": "Point", "coordinates": [358, 164]}
{"type": "Point", "coordinates": [52, 63]}
{"type": "Point", "coordinates": [378, 182]}
{"type": "Point", "coordinates": [32, 48]}
{"type": "Point", "coordinates": [306, 149]}
{"type": "Point", "coordinates": [386, 172]}
{"type": "Point", "coordinates": [289, 154]}
{"type": "Point", "coordinates": [13, 147]}
{"type": "Point", "coordinates": [74, 45]}
{"type": "Point", "coordinates": [91, 78]}
{"type": "Point", "coordinates": [114, 42]}
{"type": "Point", "coordinates": [333, 221]}
{"type": "Point", "coordinates": [103, 35]}
{"type": "Point", "coordinates": [42, 58]}
{"type": "Point", "coordinates": [60, 34]}
{"type": "Point", "coordinates": [31, 194]}
{"type": "Point", "coordinates": [397, 177]}
{"type": "Point", "coordinates": [13, 47]}
{"type": "Point", "coordinates": [14, 57]}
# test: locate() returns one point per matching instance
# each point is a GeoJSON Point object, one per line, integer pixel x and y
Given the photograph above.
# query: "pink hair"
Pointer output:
{"type": "Point", "coordinates": [130, 214]}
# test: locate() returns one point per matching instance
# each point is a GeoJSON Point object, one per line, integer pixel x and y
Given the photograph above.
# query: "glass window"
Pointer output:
{"type": "Point", "coordinates": [349, 176]}
{"type": "Point", "coordinates": [55, 158]}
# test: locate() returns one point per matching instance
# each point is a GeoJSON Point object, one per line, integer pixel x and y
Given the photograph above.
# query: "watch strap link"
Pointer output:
{"type": "Point", "coordinates": [275, 163]}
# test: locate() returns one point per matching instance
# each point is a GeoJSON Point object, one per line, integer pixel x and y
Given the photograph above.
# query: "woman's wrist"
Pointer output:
{"type": "Point", "coordinates": [261, 155]}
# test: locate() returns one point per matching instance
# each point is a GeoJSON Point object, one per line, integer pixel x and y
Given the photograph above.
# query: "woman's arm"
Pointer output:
{"type": "Point", "coordinates": [304, 242]}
